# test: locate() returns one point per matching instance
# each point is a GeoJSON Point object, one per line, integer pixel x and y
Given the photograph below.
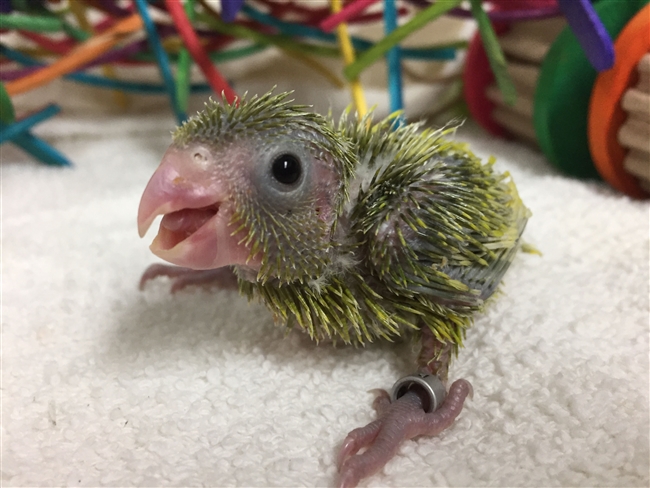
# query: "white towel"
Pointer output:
{"type": "Point", "coordinates": [103, 385]}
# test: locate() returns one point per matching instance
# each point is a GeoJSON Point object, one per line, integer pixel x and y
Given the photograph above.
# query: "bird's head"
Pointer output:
{"type": "Point", "coordinates": [259, 185]}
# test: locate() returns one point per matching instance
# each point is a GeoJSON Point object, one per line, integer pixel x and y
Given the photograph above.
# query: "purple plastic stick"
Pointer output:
{"type": "Point", "coordinates": [14, 74]}
{"type": "Point", "coordinates": [117, 54]}
{"type": "Point", "coordinates": [230, 9]}
{"type": "Point", "coordinates": [590, 31]}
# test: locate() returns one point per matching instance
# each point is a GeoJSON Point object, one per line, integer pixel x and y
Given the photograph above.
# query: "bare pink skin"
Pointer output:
{"type": "Point", "coordinates": [220, 278]}
{"type": "Point", "coordinates": [195, 231]}
{"type": "Point", "coordinates": [397, 422]}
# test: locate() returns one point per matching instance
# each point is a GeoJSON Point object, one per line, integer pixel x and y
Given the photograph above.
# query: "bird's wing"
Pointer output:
{"type": "Point", "coordinates": [437, 225]}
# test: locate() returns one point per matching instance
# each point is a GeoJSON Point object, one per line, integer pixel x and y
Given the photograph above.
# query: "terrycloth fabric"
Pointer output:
{"type": "Point", "coordinates": [104, 385]}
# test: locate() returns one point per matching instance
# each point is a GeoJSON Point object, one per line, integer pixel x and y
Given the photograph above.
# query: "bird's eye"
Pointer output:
{"type": "Point", "coordinates": [286, 169]}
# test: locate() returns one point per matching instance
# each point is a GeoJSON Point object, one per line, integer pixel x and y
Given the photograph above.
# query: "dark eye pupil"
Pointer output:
{"type": "Point", "coordinates": [286, 169]}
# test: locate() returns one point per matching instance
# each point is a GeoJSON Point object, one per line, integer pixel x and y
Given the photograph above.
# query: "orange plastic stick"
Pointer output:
{"type": "Point", "coordinates": [84, 53]}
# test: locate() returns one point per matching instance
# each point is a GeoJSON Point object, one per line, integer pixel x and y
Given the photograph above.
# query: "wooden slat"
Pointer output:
{"type": "Point", "coordinates": [638, 164]}
{"type": "Point", "coordinates": [545, 29]}
{"type": "Point", "coordinates": [637, 103]}
{"type": "Point", "coordinates": [517, 124]}
{"type": "Point", "coordinates": [531, 40]}
{"type": "Point", "coordinates": [644, 82]}
{"type": "Point", "coordinates": [644, 77]}
{"type": "Point", "coordinates": [644, 64]}
{"type": "Point", "coordinates": [525, 48]}
{"type": "Point", "coordinates": [524, 76]}
{"type": "Point", "coordinates": [523, 105]}
{"type": "Point", "coordinates": [635, 134]}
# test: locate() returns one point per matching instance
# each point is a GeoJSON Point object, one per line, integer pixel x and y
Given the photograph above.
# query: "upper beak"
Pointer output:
{"type": "Point", "coordinates": [180, 182]}
{"type": "Point", "coordinates": [194, 230]}
{"type": "Point", "coordinates": [193, 197]}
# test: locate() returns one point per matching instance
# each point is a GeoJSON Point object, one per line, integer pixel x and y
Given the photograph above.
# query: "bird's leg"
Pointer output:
{"type": "Point", "coordinates": [404, 418]}
{"type": "Point", "coordinates": [222, 278]}
{"type": "Point", "coordinates": [434, 357]}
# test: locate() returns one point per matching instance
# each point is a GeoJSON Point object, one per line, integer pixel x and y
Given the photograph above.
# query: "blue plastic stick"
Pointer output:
{"type": "Point", "coordinates": [230, 9]}
{"type": "Point", "coordinates": [298, 30]}
{"type": "Point", "coordinates": [393, 60]}
{"type": "Point", "coordinates": [10, 131]}
{"type": "Point", "coordinates": [38, 148]}
{"type": "Point", "coordinates": [161, 57]}
{"type": "Point", "coordinates": [590, 32]}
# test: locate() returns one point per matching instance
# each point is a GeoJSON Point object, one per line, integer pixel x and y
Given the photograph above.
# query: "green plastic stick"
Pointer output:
{"type": "Point", "coordinates": [74, 32]}
{"type": "Point", "coordinates": [7, 114]}
{"type": "Point", "coordinates": [494, 53]}
{"type": "Point", "coordinates": [280, 41]}
{"type": "Point", "coordinates": [373, 54]}
{"type": "Point", "coordinates": [32, 23]}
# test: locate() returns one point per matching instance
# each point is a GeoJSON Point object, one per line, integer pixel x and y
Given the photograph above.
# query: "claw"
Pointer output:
{"type": "Point", "coordinates": [381, 401]}
{"type": "Point", "coordinates": [357, 439]}
{"type": "Point", "coordinates": [400, 420]}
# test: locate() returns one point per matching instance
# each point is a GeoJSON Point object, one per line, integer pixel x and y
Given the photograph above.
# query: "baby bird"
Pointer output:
{"type": "Point", "coordinates": [353, 231]}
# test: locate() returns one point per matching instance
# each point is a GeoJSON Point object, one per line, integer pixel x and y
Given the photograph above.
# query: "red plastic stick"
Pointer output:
{"type": "Point", "coordinates": [193, 44]}
{"type": "Point", "coordinates": [348, 12]}
{"type": "Point", "coordinates": [61, 47]}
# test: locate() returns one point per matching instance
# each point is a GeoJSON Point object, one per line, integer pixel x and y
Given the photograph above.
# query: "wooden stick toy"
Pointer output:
{"type": "Point", "coordinates": [501, 84]}
{"type": "Point", "coordinates": [619, 112]}
{"type": "Point", "coordinates": [554, 75]}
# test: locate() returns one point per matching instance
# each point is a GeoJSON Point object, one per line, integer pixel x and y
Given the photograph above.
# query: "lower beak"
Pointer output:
{"type": "Point", "coordinates": [194, 231]}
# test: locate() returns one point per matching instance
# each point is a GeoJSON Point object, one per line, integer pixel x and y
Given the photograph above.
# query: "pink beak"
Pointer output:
{"type": "Point", "coordinates": [194, 231]}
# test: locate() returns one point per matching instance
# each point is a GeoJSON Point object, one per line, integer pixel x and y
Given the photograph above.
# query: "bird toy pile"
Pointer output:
{"type": "Point", "coordinates": [85, 40]}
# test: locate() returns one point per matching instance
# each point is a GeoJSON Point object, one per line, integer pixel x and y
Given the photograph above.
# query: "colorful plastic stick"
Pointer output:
{"type": "Point", "coordinates": [393, 60]}
{"type": "Point", "coordinates": [290, 48]}
{"type": "Point", "coordinates": [230, 9]}
{"type": "Point", "coordinates": [99, 81]}
{"type": "Point", "coordinates": [7, 114]}
{"type": "Point", "coordinates": [214, 78]}
{"type": "Point", "coordinates": [79, 11]}
{"type": "Point", "coordinates": [281, 41]}
{"type": "Point", "coordinates": [348, 12]}
{"type": "Point", "coordinates": [421, 19]}
{"type": "Point", "coordinates": [526, 10]}
{"type": "Point", "coordinates": [348, 58]}
{"type": "Point", "coordinates": [27, 123]}
{"type": "Point", "coordinates": [494, 53]}
{"type": "Point", "coordinates": [78, 57]}
{"type": "Point", "coordinates": [161, 57]}
{"type": "Point", "coordinates": [590, 31]}
{"type": "Point", "coordinates": [359, 44]}
{"type": "Point", "coordinates": [62, 47]}
{"type": "Point", "coordinates": [31, 23]}
{"type": "Point", "coordinates": [38, 148]}
{"type": "Point", "coordinates": [18, 132]}
{"type": "Point", "coordinates": [184, 64]}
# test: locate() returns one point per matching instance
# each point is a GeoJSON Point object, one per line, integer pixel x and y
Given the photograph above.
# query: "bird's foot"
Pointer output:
{"type": "Point", "coordinates": [222, 278]}
{"type": "Point", "coordinates": [403, 419]}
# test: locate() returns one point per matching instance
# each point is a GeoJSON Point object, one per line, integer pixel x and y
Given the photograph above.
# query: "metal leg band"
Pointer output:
{"type": "Point", "coordinates": [431, 385]}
